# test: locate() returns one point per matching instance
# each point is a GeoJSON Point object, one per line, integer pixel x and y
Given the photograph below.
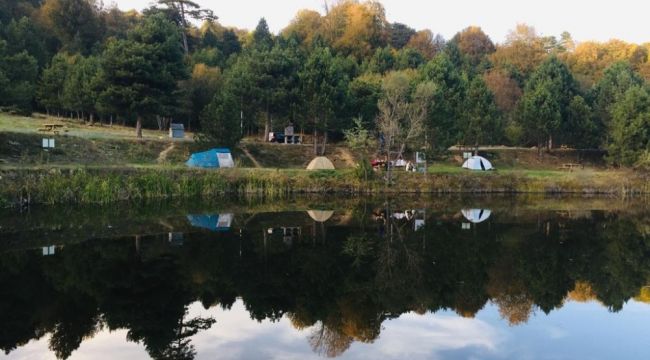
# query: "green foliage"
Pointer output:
{"type": "Point", "coordinates": [50, 89]}
{"type": "Point", "coordinates": [220, 121]}
{"type": "Point", "coordinates": [262, 37]}
{"type": "Point", "coordinates": [545, 105]}
{"type": "Point", "coordinates": [75, 23]}
{"type": "Point", "coordinates": [481, 122]}
{"type": "Point", "coordinates": [140, 74]}
{"type": "Point", "coordinates": [365, 92]}
{"type": "Point", "coordinates": [358, 137]}
{"type": "Point", "coordinates": [18, 74]}
{"type": "Point", "coordinates": [630, 136]}
{"type": "Point", "coordinates": [540, 112]}
{"type": "Point", "coordinates": [580, 129]}
{"type": "Point", "coordinates": [616, 80]}
{"type": "Point", "coordinates": [325, 80]}
{"type": "Point", "coordinates": [447, 105]}
{"type": "Point", "coordinates": [364, 171]}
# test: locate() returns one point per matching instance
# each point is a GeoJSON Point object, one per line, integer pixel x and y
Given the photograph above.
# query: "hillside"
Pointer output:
{"type": "Point", "coordinates": [101, 145]}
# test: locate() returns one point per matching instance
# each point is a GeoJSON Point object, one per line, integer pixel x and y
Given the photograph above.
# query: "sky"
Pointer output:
{"type": "Point", "coordinates": [599, 20]}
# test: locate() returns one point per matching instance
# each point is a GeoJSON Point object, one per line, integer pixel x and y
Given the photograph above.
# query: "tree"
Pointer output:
{"type": "Point", "coordinates": [540, 111]}
{"type": "Point", "coordinates": [50, 88]}
{"type": "Point", "coordinates": [324, 86]}
{"type": "Point", "coordinates": [522, 51]}
{"type": "Point", "coordinates": [185, 9]}
{"type": "Point", "coordinates": [506, 90]}
{"type": "Point", "coordinates": [18, 75]}
{"type": "Point", "coordinates": [356, 28]}
{"type": "Point", "coordinates": [399, 35]}
{"type": "Point", "coordinates": [408, 58]}
{"type": "Point", "coordinates": [426, 43]}
{"type": "Point", "coordinates": [580, 130]}
{"type": "Point", "coordinates": [141, 73]}
{"type": "Point", "coordinates": [630, 128]}
{"type": "Point", "coordinates": [230, 43]}
{"type": "Point", "coordinates": [220, 121]}
{"type": "Point", "coordinates": [306, 26]}
{"type": "Point", "coordinates": [262, 37]}
{"type": "Point", "coordinates": [451, 86]}
{"type": "Point", "coordinates": [403, 113]}
{"type": "Point", "coordinates": [75, 22]}
{"type": "Point", "coordinates": [23, 35]}
{"type": "Point", "coordinates": [382, 61]}
{"type": "Point", "coordinates": [200, 90]}
{"type": "Point", "coordinates": [79, 92]}
{"type": "Point", "coordinates": [616, 80]}
{"type": "Point", "coordinates": [481, 122]}
{"type": "Point", "coordinates": [473, 43]}
{"type": "Point", "coordinates": [365, 92]}
{"type": "Point", "coordinates": [559, 88]}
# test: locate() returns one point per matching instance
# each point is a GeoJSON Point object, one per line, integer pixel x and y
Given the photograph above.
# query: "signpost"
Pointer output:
{"type": "Point", "coordinates": [48, 144]}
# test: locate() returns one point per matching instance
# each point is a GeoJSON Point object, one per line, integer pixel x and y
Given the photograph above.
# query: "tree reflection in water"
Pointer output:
{"type": "Point", "coordinates": [338, 280]}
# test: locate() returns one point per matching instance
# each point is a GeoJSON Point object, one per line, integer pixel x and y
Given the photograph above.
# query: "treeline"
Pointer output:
{"type": "Point", "coordinates": [349, 69]}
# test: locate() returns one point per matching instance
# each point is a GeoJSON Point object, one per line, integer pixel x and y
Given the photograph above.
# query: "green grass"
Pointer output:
{"type": "Point", "coordinates": [73, 127]}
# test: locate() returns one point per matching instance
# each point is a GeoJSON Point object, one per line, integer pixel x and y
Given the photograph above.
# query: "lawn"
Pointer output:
{"type": "Point", "coordinates": [19, 124]}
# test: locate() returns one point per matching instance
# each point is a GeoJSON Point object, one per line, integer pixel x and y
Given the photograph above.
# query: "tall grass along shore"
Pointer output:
{"type": "Point", "coordinates": [72, 185]}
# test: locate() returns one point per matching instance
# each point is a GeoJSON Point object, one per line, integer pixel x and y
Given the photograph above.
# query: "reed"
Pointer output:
{"type": "Point", "coordinates": [104, 186]}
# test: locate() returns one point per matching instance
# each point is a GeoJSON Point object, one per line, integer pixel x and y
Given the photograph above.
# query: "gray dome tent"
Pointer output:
{"type": "Point", "coordinates": [478, 163]}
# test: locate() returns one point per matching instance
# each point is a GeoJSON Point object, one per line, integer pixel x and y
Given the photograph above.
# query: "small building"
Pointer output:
{"type": "Point", "coordinates": [177, 131]}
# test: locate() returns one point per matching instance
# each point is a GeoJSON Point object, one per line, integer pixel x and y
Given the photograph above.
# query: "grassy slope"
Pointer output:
{"type": "Point", "coordinates": [115, 149]}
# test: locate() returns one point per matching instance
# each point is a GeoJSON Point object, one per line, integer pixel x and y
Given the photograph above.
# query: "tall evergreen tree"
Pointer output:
{"type": "Point", "coordinates": [140, 74]}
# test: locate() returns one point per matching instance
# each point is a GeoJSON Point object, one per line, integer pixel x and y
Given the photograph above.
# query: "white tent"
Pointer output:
{"type": "Point", "coordinates": [477, 163]}
{"type": "Point", "coordinates": [476, 215]}
{"type": "Point", "coordinates": [320, 163]}
{"type": "Point", "coordinates": [320, 215]}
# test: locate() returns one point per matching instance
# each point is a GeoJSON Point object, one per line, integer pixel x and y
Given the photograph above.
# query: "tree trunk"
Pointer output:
{"type": "Point", "coordinates": [138, 127]}
{"type": "Point", "coordinates": [322, 150]}
{"type": "Point", "coordinates": [92, 119]}
{"type": "Point", "coordinates": [183, 32]}
{"type": "Point", "coordinates": [267, 126]}
{"type": "Point", "coordinates": [315, 142]}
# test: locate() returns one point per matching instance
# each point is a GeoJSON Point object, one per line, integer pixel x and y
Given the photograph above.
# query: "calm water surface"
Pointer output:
{"type": "Point", "coordinates": [437, 278]}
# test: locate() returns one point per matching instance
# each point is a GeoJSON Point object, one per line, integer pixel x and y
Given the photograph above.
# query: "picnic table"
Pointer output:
{"type": "Point", "coordinates": [571, 166]}
{"type": "Point", "coordinates": [53, 128]}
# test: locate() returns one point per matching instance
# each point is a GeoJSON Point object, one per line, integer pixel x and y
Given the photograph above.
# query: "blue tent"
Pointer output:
{"type": "Point", "coordinates": [214, 158]}
{"type": "Point", "coordinates": [213, 222]}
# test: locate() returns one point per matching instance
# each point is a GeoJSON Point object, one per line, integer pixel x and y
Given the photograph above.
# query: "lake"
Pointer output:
{"type": "Point", "coordinates": [308, 278]}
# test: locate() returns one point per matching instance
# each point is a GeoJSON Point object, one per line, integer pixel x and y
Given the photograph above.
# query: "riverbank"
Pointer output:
{"type": "Point", "coordinates": [104, 185]}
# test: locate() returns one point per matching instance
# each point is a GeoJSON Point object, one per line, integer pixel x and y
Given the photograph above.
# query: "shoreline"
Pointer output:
{"type": "Point", "coordinates": [96, 185]}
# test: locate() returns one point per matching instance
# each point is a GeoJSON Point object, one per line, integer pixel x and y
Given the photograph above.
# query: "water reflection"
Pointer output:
{"type": "Point", "coordinates": [339, 275]}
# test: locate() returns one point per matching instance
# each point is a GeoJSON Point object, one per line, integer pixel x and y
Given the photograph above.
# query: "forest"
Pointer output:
{"type": "Point", "coordinates": [345, 71]}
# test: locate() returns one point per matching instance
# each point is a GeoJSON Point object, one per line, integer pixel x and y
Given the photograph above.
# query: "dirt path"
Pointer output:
{"type": "Point", "coordinates": [250, 156]}
{"type": "Point", "coordinates": [162, 157]}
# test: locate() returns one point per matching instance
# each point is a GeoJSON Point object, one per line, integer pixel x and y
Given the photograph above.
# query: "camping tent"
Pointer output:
{"type": "Point", "coordinates": [212, 222]}
{"type": "Point", "coordinates": [214, 158]}
{"type": "Point", "coordinates": [320, 163]}
{"type": "Point", "coordinates": [320, 215]}
{"type": "Point", "coordinates": [477, 163]}
{"type": "Point", "coordinates": [476, 215]}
